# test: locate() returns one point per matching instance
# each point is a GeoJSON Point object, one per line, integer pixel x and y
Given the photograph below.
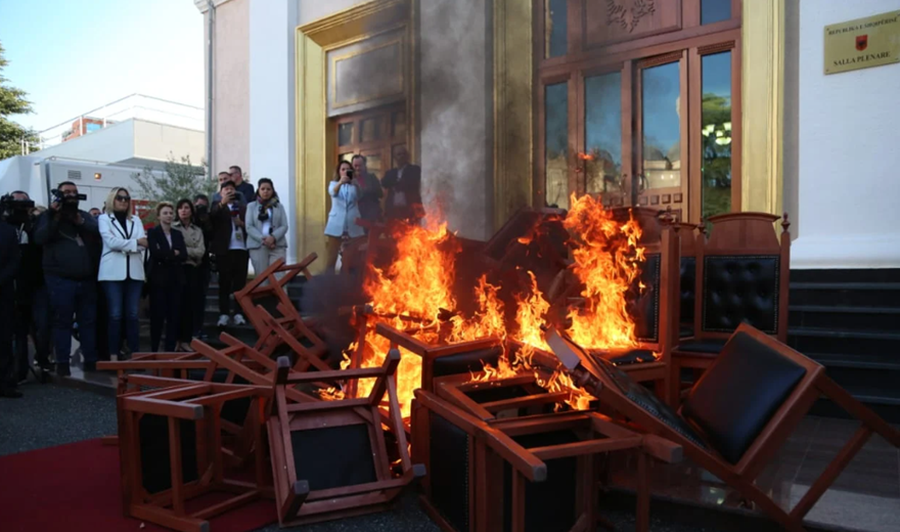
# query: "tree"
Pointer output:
{"type": "Point", "coordinates": [179, 179]}
{"type": "Point", "coordinates": [12, 102]}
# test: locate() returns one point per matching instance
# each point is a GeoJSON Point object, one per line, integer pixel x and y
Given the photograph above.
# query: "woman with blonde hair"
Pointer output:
{"type": "Point", "coordinates": [121, 268]}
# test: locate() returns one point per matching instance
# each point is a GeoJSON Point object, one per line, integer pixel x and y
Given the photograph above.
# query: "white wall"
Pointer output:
{"type": "Point", "coordinates": [271, 130]}
{"type": "Point", "coordinates": [312, 10]}
{"type": "Point", "coordinates": [849, 159]}
{"type": "Point", "coordinates": [161, 141]}
{"type": "Point", "coordinates": [231, 72]}
{"type": "Point", "coordinates": [110, 144]}
{"type": "Point", "coordinates": [454, 102]}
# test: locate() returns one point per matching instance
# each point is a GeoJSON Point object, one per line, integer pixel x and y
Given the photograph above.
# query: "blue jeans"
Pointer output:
{"type": "Point", "coordinates": [70, 298]}
{"type": "Point", "coordinates": [123, 299]}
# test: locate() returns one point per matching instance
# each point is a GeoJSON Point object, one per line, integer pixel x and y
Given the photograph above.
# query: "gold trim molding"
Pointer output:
{"type": "Point", "coordinates": [762, 92]}
{"type": "Point", "coordinates": [315, 140]}
{"type": "Point", "coordinates": [513, 108]}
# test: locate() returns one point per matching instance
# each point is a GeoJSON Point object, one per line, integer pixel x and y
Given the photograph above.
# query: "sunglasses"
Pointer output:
{"type": "Point", "coordinates": [123, 198]}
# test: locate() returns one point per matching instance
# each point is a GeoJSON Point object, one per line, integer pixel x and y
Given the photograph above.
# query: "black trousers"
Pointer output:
{"type": "Point", "coordinates": [165, 308]}
{"type": "Point", "coordinates": [7, 359]}
{"type": "Point", "coordinates": [232, 277]}
{"type": "Point", "coordinates": [191, 293]}
{"type": "Point", "coordinates": [199, 304]}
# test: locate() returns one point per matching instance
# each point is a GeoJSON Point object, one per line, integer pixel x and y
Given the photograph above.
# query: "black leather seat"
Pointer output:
{"type": "Point", "coordinates": [735, 399]}
{"type": "Point", "coordinates": [465, 362]}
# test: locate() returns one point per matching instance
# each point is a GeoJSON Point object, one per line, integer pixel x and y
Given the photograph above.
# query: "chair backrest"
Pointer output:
{"type": "Point", "coordinates": [742, 276]}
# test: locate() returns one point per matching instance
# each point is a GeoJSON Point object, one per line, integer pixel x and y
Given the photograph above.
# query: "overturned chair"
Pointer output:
{"type": "Point", "coordinates": [719, 428]}
{"type": "Point", "coordinates": [330, 459]}
{"type": "Point", "coordinates": [171, 451]}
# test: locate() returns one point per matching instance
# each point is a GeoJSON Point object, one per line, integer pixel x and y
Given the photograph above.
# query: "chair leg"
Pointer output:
{"type": "Point", "coordinates": [768, 506]}
{"type": "Point", "coordinates": [846, 401]}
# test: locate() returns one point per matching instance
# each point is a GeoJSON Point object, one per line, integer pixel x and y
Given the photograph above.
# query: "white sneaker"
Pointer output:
{"type": "Point", "coordinates": [239, 320]}
{"type": "Point", "coordinates": [223, 320]}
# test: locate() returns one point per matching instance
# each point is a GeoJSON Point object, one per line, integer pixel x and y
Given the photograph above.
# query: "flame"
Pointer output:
{"type": "Point", "coordinates": [586, 156]}
{"type": "Point", "coordinates": [414, 294]}
{"type": "Point", "coordinates": [607, 260]}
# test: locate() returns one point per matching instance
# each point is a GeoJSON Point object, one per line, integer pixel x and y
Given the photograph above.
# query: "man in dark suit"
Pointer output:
{"type": "Point", "coordinates": [229, 244]}
{"type": "Point", "coordinates": [9, 266]}
{"type": "Point", "coordinates": [404, 189]}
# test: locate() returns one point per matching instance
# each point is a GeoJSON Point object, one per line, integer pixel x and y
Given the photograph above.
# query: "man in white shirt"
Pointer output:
{"type": "Point", "coordinates": [229, 243]}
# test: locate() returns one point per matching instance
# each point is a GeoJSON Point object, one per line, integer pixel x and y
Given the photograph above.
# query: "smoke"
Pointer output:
{"type": "Point", "coordinates": [454, 99]}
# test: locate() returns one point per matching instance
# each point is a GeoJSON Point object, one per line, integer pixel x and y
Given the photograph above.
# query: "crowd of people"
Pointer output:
{"type": "Point", "coordinates": [66, 272]}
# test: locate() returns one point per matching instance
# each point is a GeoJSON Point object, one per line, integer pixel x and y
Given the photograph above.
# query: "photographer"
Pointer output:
{"type": "Point", "coordinates": [71, 240]}
{"type": "Point", "coordinates": [267, 226]}
{"type": "Point", "coordinates": [204, 222]}
{"type": "Point", "coordinates": [9, 264]}
{"type": "Point", "coordinates": [230, 247]}
{"type": "Point", "coordinates": [31, 295]}
{"type": "Point", "coordinates": [341, 225]}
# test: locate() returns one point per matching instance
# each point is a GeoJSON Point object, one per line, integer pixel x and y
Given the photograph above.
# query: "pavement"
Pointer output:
{"type": "Point", "coordinates": [52, 415]}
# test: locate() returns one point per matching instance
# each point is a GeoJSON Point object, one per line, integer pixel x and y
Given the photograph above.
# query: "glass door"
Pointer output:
{"type": "Point", "coordinates": [660, 107]}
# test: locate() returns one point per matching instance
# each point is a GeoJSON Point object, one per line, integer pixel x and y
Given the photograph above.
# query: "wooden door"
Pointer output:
{"type": "Point", "coordinates": [374, 134]}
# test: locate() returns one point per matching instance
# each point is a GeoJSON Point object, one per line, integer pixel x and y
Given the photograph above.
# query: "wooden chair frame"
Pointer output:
{"type": "Point", "coordinates": [491, 444]}
{"type": "Point", "coordinates": [741, 476]}
{"type": "Point", "coordinates": [298, 503]}
{"type": "Point", "coordinates": [202, 403]}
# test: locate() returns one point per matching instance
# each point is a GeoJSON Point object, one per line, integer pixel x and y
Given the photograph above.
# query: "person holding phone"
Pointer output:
{"type": "Point", "coordinates": [230, 247]}
{"type": "Point", "coordinates": [341, 225]}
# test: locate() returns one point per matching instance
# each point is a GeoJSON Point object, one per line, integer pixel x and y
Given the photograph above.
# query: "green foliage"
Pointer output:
{"type": "Point", "coordinates": [12, 102]}
{"type": "Point", "coordinates": [180, 179]}
{"type": "Point", "coordinates": [716, 169]}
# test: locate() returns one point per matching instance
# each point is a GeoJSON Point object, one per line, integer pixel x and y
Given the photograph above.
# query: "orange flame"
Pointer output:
{"type": "Point", "coordinates": [607, 260]}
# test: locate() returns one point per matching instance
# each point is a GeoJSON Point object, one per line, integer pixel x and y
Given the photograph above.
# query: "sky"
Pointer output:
{"type": "Point", "coordinates": [72, 56]}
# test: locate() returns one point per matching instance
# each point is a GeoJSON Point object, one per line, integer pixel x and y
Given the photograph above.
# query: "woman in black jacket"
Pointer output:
{"type": "Point", "coordinates": [166, 277]}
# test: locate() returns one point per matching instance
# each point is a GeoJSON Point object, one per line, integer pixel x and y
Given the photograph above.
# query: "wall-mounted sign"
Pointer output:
{"type": "Point", "coordinates": [862, 43]}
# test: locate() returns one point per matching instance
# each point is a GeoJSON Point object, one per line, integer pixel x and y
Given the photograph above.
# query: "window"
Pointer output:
{"type": "Point", "coordinates": [371, 133]}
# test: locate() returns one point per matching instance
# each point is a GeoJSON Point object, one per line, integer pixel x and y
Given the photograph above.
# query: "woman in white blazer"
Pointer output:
{"type": "Point", "coordinates": [267, 227]}
{"type": "Point", "coordinates": [344, 212]}
{"type": "Point", "coordinates": [122, 267]}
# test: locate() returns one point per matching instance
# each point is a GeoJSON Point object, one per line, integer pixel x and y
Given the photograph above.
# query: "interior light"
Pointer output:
{"type": "Point", "coordinates": [97, 176]}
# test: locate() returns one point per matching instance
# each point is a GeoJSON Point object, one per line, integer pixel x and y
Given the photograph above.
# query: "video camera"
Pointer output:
{"type": "Point", "coordinates": [16, 211]}
{"type": "Point", "coordinates": [67, 201]}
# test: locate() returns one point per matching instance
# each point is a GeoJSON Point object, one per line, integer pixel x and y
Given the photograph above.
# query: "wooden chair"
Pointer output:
{"type": "Point", "coordinates": [655, 308]}
{"type": "Point", "coordinates": [170, 451]}
{"type": "Point", "coordinates": [330, 458]}
{"type": "Point", "coordinates": [534, 472]}
{"type": "Point", "coordinates": [737, 416]}
{"type": "Point", "coordinates": [742, 276]}
{"type": "Point", "coordinates": [689, 236]}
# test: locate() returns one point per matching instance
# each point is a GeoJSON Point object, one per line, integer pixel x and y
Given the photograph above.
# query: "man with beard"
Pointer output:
{"type": "Point", "coordinates": [70, 238]}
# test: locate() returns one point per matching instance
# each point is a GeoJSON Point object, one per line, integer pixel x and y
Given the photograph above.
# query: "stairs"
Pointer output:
{"type": "Point", "coordinates": [849, 321]}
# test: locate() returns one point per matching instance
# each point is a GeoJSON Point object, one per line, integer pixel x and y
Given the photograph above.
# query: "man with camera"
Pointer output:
{"type": "Point", "coordinates": [31, 300]}
{"type": "Point", "coordinates": [70, 238]}
{"type": "Point", "coordinates": [229, 244]}
{"type": "Point", "coordinates": [9, 265]}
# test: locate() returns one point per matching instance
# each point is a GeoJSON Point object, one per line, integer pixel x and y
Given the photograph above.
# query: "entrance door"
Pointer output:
{"type": "Point", "coordinates": [652, 132]}
{"type": "Point", "coordinates": [374, 134]}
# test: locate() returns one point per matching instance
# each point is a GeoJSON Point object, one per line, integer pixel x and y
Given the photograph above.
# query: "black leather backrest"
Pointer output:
{"type": "Point", "coordinates": [465, 362]}
{"type": "Point", "coordinates": [448, 471]}
{"type": "Point", "coordinates": [688, 289]}
{"type": "Point", "coordinates": [549, 505]}
{"type": "Point", "coordinates": [741, 289]}
{"type": "Point", "coordinates": [643, 305]}
{"type": "Point", "coordinates": [334, 457]}
{"type": "Point", "coordinates": [153, 433]}
{"type": "Point", "coordinates": [735, 399]}
{"type": "Point", "coordinates": [646, 400]}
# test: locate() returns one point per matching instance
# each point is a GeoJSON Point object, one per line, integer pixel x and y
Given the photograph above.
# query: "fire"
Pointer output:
{"type": "Point", "coordinates": [586, 156]}
{"type": "Point", "coordinates": [607, 258]}
{"type": "Point", "coordinates": [415, 294]}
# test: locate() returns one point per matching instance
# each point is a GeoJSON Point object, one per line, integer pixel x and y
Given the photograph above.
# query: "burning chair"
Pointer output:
{"type": "Point", "coordinates": [330, 458]}
{"type": "Point", "coordinates": [742, 276]}
{"type": "Point", "coordinates": [170, 450]}
{"type": "Point", "coordinates": [500, 455]}
{"type": "Point", "coordinates": [719, 428]}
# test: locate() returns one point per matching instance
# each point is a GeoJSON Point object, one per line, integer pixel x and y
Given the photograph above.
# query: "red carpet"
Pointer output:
{"type": "Point", "coordinates": [75, 488]}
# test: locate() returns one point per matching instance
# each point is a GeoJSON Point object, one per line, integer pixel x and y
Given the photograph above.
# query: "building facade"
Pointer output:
{"type": "Point", "coordinates": [701, 106]}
